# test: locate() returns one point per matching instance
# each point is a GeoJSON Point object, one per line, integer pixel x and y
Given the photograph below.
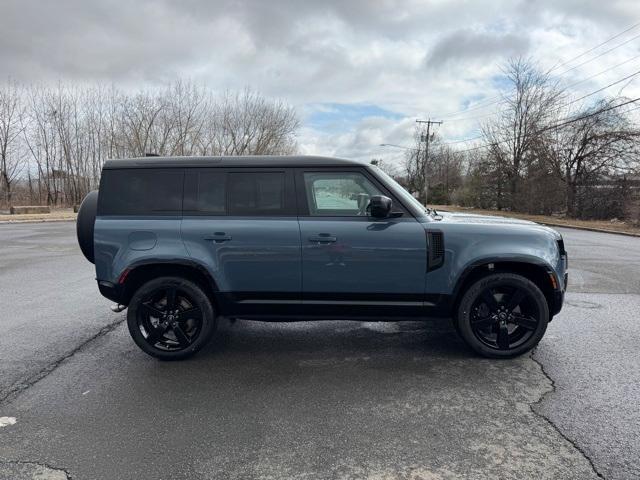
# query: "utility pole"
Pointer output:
{"type": "Point", "coordinates": [426, 139]}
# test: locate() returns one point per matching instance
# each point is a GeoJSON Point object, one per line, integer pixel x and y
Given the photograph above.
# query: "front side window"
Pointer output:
{"type": "Point", "coordinates": [259, 193]}
{"type": "Point", "coordinates": [338, 193]}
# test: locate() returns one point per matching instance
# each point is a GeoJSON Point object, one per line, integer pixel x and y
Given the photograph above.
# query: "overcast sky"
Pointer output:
{"type": "Point", "coordinates": [359, 72]}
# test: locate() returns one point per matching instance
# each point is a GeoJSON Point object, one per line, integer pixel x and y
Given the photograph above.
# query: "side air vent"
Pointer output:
{"type": "Point", "coordinates": [435, 240]}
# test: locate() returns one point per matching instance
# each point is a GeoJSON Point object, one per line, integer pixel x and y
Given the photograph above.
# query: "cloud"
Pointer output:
{"type": "Point", "coordinates": [476, 46]}
{"type": "Point", "coordinates": [359, 71]}
{"type": "Point", "coordinates": [340, 116]}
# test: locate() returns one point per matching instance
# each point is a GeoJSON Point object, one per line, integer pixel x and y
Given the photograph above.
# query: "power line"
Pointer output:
{"type": "Point", "coordinates": [592, 114]}
{"type": "Point", "coordinates": [600, 55]}
{"type": "Point", "coordinates": [555, 109]}
{"type": "Point", "coordinates": [475, 117]}
{"type": "Point", "coordinates": [463, 140]}
{"type": "Point", "coordinates": [596, 47]}
{"type": "Point", "coordinates": [562, 124]}
{"type": "Point", "coordinates": [603, 71]}
{"type": "Point", "coordinates": [478, 137]}
{"type": "Point", "coordinates": [601, 89]}
{"type": "Point", "coordinates": [569, 86]}
{"type": "Point", "coordinates": [496, 99]}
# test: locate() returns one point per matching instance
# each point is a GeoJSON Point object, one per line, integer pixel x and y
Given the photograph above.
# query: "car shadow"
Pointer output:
{"type": "Point", "coordinates": [301, 340]}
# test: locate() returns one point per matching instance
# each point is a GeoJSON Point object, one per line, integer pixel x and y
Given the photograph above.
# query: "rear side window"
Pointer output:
{"type": "Point", "coordinates": [141, 192]}
{"type": "Point", "coordinates": [259, 194]}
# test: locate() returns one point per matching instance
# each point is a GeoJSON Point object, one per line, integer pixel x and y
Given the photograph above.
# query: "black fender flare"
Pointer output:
{"type": "Point", "coordinates": [486, 261]}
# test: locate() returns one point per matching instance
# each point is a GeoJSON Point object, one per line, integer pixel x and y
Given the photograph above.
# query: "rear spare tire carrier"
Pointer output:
{"type": "Point", "coordinates": [85, 223]}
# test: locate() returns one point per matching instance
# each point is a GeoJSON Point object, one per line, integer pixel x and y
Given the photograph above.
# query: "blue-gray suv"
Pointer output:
{"type": "Point", "coordinates": [183, 241]}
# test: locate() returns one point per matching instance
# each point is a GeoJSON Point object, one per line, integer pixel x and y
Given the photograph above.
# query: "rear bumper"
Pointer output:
{"type": "Point", "coordinates": [110, 290]}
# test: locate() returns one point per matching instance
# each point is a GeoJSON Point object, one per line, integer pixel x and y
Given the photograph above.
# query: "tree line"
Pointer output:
{"type": "Point", "coordinates": [54, 139]}
{"type": "Point", "coordinates": [542, 152]}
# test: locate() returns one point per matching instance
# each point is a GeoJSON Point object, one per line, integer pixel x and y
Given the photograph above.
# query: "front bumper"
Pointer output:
{"type": "Point", "coordinates": [558, 300]}
{"type": "Point", "coordinates": [558, 297]}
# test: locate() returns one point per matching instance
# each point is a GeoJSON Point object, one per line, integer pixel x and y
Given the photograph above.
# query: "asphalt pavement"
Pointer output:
{"type": "Point", "coordinates": [344, 400]}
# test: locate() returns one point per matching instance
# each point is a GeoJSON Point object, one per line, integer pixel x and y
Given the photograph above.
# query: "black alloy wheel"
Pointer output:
{"type": "Point", "coordinates": [503, 315]}
{"type": "Point", "coordinates": [170, 318]}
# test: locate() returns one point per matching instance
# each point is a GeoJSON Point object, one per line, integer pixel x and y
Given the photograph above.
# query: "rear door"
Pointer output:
{"type": "Point", "coordinates": [350, 259]}
{"type": "Point", "coordinates": [242, 224]}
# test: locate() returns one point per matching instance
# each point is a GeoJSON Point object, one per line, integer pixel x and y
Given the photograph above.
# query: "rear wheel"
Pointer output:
{"type": "Point", "coordinates": [502, 315]}
{"type": "Point", "coordinates": [170, 318]}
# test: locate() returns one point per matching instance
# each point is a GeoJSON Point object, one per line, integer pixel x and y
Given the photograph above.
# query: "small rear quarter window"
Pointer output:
{"type": "Point", "coordinates": [147, 191]}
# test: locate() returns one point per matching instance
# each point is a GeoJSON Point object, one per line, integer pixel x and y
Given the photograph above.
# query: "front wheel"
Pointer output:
{"type": "Point", "coordinates": [170, 318]}
{"type": "Point", "coordinates": [502, 315]}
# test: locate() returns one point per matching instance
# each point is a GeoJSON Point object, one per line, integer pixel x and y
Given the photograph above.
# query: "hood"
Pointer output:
{"type": "Point", "coordinates": [474, 218]}
{"type": "Point", "coordinates": [462, 218]}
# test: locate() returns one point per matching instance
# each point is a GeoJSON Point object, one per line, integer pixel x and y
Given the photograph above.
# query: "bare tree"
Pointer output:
{"type": "Point", "coordinates": [188, 106]}
{"type": "Point", "coordinates": [528, 107]}
{"type": "Point", "coordinates": [41, 140]}
{"type": "Point", "coordinates": [483, 183]}
{"type": "Point", "coordinates": [597, 141]}
{"type": "Point", "coordinates": [445, 167]}
{"type": "Point", "coordinates": [246, 123]}
{"type": "Point", "coordinates": [54, 139]}
{"type": "Point", "coordinates": [11, 126]}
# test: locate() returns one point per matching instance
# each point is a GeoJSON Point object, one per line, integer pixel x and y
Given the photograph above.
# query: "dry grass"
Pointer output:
{"type": "Point", "coordinates": [600, 225]}
{"type": "Point", "coordinates": [59, 214]}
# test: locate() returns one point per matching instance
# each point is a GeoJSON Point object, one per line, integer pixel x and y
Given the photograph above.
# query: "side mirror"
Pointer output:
{"type": "Point", "coordinates": [380, 206]}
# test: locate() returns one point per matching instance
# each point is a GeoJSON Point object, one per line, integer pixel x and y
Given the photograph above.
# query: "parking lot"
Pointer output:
{"type": "Point", "coordinates": [313, 400]}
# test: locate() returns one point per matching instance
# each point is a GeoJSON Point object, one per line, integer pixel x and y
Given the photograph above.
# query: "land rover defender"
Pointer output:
{"type": "Point", "coordinates": [183, 241]}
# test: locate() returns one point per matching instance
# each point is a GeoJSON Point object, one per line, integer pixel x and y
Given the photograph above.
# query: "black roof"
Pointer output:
{"type": "Point", "coordinates": [230, 161]}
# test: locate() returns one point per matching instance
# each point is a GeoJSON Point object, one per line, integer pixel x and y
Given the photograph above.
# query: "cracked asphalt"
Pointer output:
{"type": "Point", "coordinates": [343, 400]}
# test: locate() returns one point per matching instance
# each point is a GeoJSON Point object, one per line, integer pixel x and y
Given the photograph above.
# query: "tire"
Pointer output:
{"type": "Point", "coordinates": [166, 329]}
{"type": "Point", "coordinates": [502, 315]}
{"type": "Point", "coordinates": [85, 224]}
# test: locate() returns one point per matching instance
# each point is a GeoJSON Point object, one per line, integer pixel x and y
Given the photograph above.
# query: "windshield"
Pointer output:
{"type": "Point", "coordinates": [399, 190]}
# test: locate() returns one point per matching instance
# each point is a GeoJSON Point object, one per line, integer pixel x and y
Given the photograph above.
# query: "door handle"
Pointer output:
{"type": "Point", "coordinates": [218, 237]}
{"type": "Point", "coordinates": [323, 238]}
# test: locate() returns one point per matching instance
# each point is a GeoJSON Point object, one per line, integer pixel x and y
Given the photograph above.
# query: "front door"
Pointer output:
{"type": "Point", "coordinates": [352, 262]}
